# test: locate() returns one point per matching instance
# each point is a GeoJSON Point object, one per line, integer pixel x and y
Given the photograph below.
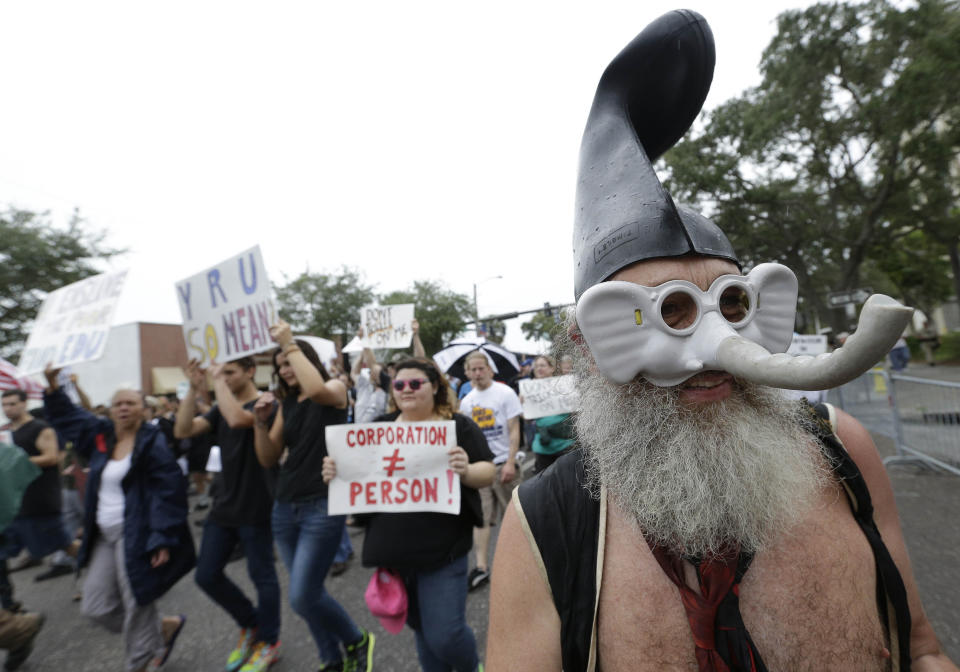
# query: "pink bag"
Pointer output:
{"type": "Point", "coordinates": [386, 597]}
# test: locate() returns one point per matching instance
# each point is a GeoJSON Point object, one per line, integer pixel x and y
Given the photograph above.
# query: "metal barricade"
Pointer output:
{"type": "Point", "coordinates": [921, 415]}
{"type": "Point", "coordinates": [927, 416]}
{"type": "Point", "coordinates": [867, 398]}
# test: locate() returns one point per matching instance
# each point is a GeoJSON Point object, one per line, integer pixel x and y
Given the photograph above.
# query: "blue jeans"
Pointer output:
{"type": "Point", "coordinates": [307, 539]}
{"type": "Point", "coordinates": [6, 588]}
{"type": "Point", "coordinates": [899, 357]}
{"type": "Point", "coordinates": [345, 549]}
{"type": "Point", "coordinates": [41, 535]}
{"type": "Point", "coordinates": [215, 550]}
{"type": "Point", "coordinates": [437, 604]}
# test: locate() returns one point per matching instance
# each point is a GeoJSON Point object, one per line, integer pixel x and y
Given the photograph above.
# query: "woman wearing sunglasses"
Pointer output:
{"type": "Point", "coordinates": [429, 550]}
{"type": "Point", "coordinates": [306, 536]}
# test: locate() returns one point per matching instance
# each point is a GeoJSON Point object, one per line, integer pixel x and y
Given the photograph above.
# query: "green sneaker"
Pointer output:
{"type": "Point", "coordinates": [244, 648]}
{"type": "Point", "coordinates": [264, 655]}
{"type": "Point", "coordinates": [331, 667]}
{"type": "Point", "coordinates": [360, 654]}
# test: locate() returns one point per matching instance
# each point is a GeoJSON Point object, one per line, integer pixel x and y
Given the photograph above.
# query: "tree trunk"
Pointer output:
{"type": "Point", "coordinates": [952, 246]}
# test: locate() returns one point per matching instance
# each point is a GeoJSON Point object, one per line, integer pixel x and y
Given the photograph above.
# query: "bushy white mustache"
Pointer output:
{"type": "Point", "coordinates": [698, 481]}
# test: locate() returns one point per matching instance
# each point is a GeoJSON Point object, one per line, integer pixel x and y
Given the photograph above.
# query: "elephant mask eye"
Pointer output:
{"type": "Point", "coordinates": [668, 332]}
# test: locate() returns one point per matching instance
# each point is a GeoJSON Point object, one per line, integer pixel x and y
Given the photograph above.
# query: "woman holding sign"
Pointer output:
{"type": "Point", "coordinates": [306, 536]}
{"type": "Point", "coordinates": [429, 550]}
{"type": "Point", "coordinates": [554, 433]}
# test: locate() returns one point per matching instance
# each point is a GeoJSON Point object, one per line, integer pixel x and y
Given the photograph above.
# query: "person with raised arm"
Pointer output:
{"type": "Point", "coordinates": [240, 513]}
{"type": "Point", "coordinates": [305, 401]}
{"type": "Point", "coordinates": [136, 541]}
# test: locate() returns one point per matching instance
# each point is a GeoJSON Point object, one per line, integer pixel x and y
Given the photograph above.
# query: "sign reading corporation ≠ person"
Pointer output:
{"type": "Point", "coordinates": [227, 310]}
{"type": "Point", "coordinates": [73, 323]}
{"type": "Point", "coordinates": [393, 466]}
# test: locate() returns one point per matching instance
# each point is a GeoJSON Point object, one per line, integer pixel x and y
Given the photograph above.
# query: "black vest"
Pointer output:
{"type": "Point", "coordinates": [564, 520]}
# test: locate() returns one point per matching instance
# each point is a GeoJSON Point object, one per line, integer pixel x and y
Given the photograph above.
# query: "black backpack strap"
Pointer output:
{"type": "Point", "coordinates": [562, 521]}
{"type": "Point", "coordinates": [891, 594]}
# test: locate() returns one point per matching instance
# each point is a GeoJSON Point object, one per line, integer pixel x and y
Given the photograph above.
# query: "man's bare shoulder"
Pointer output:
{"type": "Point", "coordinates": [521, 606]}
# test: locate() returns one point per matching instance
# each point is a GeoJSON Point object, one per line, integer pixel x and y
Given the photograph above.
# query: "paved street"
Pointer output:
{"type": "Point", "coordinates": [69, 643]}
{"type": "Point", "coordinates": [928, 504]}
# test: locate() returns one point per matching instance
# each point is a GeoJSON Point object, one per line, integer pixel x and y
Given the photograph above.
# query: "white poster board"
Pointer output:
{"type": "Point", "coordinates": [227, 310]}
{"type": "Point", "coordinates": [387, 326]}
{"type": "Point", "coordinates": [73, 323]}
{"type": "Point", "coordinates": [803, 344]}
{"type": "Point", "coordinates": [326, 349]}
{"type": "Point", "coordinates": [393, 466]}
{"type": "Point", "coordinates": [548, 396]}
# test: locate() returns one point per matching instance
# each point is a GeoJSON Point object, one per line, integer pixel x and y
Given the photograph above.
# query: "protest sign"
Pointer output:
{"type": "Point", "coordinates": [387, 326]}
{"type": "Point", "coordinates": [807, 345]}
{"type": "Point", "coordinates": [73, 323]}
{"type": "Point", "coordinates": [548, 396]}
{"type": "Point", "coordinates": [228, 309]}
{"type": "Point", "coordinates": [393, 466]}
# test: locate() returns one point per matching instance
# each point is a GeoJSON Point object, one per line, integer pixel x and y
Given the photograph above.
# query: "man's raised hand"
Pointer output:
{"type": "Point", "coordinates": [281, 333]}
{"type": "Point", "coordinates": [264, 407]}
{"type": "Point", "coordinates": [52, 375]}
{"type": "Point", "coordinates": [196, 375]}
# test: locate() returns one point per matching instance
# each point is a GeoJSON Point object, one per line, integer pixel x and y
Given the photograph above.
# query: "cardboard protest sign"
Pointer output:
{"type": "Point", "coordinates": [387, 326]}
{"type": "Point", "coordinates": [393, 466]}
{"type": "Point", "coordinates": [73, 323]}
{"type": "Point", "coordinates": [807, 345]}
{"type": "Point", "coordinates": [228, 309]}
{"type": "Point", "coordinates": [548, 396]}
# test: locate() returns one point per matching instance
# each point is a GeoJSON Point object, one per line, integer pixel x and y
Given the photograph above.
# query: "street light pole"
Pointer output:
{"type": "Point", "coordinates": [476, 310]}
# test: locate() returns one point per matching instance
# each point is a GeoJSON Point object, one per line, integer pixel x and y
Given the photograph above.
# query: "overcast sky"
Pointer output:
{"type": "Point", "coordinates": [411, 140]}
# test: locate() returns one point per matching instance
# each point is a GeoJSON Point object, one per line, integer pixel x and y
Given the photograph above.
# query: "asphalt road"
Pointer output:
{"type": "Point", "coordinates": [928, 504]}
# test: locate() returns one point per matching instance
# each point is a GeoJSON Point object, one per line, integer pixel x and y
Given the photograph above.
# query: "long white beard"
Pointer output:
{"type": "Point", "coordinates": [698, 480]}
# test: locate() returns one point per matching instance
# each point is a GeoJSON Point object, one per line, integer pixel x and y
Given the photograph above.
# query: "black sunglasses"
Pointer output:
{"type": "Point", "coordinates": [414, 384]}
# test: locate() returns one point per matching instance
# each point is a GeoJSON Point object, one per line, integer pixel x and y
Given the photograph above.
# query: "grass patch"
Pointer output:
{"type": "Point", "coordinates": [947, 353]}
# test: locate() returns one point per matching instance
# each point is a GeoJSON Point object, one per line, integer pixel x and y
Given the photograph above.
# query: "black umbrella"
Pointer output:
{"type": "Point", "coordinates": [450, 360]}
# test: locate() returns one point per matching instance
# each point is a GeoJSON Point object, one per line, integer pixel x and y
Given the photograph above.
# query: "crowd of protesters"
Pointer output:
{"type": "Point", "coordinates": [137, 458]}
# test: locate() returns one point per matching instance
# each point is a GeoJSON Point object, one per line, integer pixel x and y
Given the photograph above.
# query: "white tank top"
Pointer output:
{"type": "Point", "coordinates": [110, 502]}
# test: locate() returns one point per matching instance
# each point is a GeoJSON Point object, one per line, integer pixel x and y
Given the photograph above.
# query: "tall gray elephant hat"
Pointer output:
{"type": "Point", "coordinates": [647, 98]}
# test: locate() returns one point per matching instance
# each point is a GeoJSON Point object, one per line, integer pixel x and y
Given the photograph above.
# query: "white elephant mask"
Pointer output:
{"type": "Point", "coordinates": [673, 331]}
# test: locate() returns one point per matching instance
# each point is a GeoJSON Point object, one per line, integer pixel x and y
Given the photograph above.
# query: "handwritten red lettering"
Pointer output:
{"type": "Point", "coordinates": [430, 489]}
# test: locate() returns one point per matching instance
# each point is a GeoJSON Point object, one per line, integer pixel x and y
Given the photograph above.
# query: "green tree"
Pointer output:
{"type": "Point", "coordinates": [540, 327]}
{"type": "Point", "coordinates": [843, 153]}
{"type": "Point", "coordinates": [38, 257]}
{"type": "Point", "coordinates": [440, 311]}
{"type": "Point", "coordinates": [325, 304]}
{"type": "Point", "coordinates": [496, 330]}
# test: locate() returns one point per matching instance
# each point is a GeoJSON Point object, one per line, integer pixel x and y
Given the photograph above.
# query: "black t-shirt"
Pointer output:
{"type": "Point", "coordinates": [42, 497]}
{"type": "Point", "coordinates": [243, 497]}
{"type": "Point", "coordinates": [304, 435]}
{"type": "Point", "coordinates": [427, 540]}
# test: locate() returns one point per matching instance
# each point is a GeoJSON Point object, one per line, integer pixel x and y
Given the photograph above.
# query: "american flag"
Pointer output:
{"type": "Point", "coordinates": [10, 379]}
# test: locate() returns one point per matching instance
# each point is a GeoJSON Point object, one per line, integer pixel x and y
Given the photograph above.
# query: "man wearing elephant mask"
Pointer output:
{"type": "Point", "coordinates": [706, 523]}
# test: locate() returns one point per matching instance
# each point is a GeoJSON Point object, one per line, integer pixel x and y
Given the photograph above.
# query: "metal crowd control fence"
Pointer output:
{"type": "Point", "coordinates": [921, 415]}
